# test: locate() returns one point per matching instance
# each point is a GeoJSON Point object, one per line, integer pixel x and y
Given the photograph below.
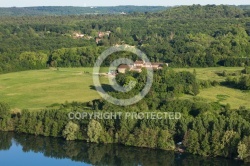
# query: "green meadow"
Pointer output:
{"type": "Point", "coordinates": [40, 88]}
{"type": "Point", "coordinates": [210, 72]}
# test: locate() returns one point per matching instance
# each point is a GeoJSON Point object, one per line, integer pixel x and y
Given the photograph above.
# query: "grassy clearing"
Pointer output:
{"type": "Point", "coordinates": [40, 88]}
{"type": "Point", "coordinates": [210, 73]}
{"type": "Point", "coordinates": [221, 94]}
{"type": "Point", "coordinates": [224, 95]}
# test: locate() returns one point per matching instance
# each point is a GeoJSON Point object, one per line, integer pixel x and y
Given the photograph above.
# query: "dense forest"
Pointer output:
{"type": "Point", "coordinates": [196, 36]}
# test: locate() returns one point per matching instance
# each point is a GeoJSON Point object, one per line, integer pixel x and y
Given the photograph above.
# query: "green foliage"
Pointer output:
{"type": "Point", "coordinates": [33, 60]}
{"type": "Point", "coordinates": [204, 36]}
{"type": "Point", "coordinates": [165, 140]}
{"type": "Point", "coordinates": [195, 88]}
{"type": "Point", "coordinates": [4, 110]}
{"type": "Point", "coordinates": [229, 143]}
{"type": "Point", "coordinates": [153, 138]}
{"type": "Point", "coordinates": [205, 129]}
{"type": "Point", "coordinates": [166, 84]}
{"type": "Point", "coordinates": [191, 140]}
{"type": "Point", "coordinates": [244, 149]}
{"type": "Point", "coordinates": [68, 10]}
{"type": "Point", "coordinates": [74, 57]}
{"type": "Point", "coordinates": [242, 83]}
{"type": "Point", "coordinates": [246, 70]}
{"type": "Point", "coordinates": [129, 82]}
{"type": "Point", "coordinates": [69, 133]}
{"type": "Point", "coordinates": [208, 11]}
{"type": "Point", "coordinates": [6, 138]}
{"type": "Point", "coordinates": [95, 130]}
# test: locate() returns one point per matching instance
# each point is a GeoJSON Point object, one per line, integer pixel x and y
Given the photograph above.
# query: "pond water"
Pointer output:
{"type": "Point", "coordinates": [22, 149]}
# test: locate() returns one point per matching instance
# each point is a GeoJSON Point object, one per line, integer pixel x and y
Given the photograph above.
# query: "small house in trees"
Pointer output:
{"type": "Point", "coordinates": [123, 68]}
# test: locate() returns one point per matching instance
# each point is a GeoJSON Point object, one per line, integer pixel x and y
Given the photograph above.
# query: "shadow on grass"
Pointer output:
{"type": "Point", "coordinates": [106, 88]}
{"type": "Point", "coordinates": [229, 85]}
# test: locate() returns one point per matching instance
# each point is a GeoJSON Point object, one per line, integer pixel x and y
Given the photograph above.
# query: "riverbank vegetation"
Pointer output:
{"type": "Point", "coordinates": [204, 129]}
{"type": "Point", "coordinates": [96, 154]}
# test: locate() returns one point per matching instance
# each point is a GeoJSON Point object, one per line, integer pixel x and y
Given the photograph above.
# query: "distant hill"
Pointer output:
{"type": "Point", "coordinates": [69, 10]}
{"type": "Point", "coordinates": [195, 11]}
{"type": "Point", "coordinates": [247, 7]}
{"type": "Point", "coordinates": [208, 11]}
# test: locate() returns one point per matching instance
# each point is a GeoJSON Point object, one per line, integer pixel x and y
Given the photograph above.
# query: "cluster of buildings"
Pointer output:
{"type": "Point", "coordinates": [138, 65]}
{"type": "Point", "coordinates": [78, 35]}
{"type": "Point", "coordinates": [101, 35]}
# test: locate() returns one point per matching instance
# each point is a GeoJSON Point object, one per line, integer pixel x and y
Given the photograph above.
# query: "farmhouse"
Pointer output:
{"type": "Point", "coordinates": [102, 34]}
{"type": "Point", "coordinates": [78, 35]}
{"type": "Point", "coordinates": [123, 68]}
{"type": "Point", "coordinates": [138, 65]}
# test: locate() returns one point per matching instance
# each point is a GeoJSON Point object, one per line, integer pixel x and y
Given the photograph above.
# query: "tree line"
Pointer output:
{"type": "Point", "coordinates": [204, 129]}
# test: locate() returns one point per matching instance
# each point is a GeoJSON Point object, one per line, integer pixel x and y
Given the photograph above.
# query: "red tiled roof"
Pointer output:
{"type": "Point", "coordinates": [139, 62]}
{"type": "Point", "coordinates": [123, 67]}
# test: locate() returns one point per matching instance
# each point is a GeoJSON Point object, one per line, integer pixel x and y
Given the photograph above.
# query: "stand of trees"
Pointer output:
{"type": "Point", "coordinates": [204, 129]}
{"type": "Point", "coordinates": [242, 83]}
{"type": "Point", "coordinates": [238, 80]}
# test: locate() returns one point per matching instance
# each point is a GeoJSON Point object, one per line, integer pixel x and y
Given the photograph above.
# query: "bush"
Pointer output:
{"type": "Point", "coordinates": [95, 130]}
{"type": "Point", "coordinates": [70, 131]}
{"type": "Point", "coordinates": [4, 110]}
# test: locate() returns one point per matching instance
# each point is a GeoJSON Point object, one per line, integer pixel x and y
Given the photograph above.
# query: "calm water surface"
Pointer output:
{"type": "Point", "coordinates": [24, 150]}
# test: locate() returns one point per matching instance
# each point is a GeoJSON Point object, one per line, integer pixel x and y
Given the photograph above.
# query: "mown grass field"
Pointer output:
{"type": "Point", "coordinates": [40, 88]}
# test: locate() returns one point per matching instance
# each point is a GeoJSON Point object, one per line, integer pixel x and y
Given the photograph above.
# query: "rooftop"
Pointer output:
{"type": "Point", "coordinates": [139, 62]}
{"type": "Point", "coordinates": [123, 67]}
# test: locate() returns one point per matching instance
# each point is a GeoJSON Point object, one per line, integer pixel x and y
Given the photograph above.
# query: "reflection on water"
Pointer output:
{"type": "Point", "coordinates": [99, 154]}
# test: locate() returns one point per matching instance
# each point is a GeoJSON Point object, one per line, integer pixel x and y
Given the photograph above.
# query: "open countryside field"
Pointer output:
{"type": "Point", "coordinates": [40, 88]}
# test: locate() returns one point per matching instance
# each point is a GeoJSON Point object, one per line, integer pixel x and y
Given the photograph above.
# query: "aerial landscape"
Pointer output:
{"type": "Point", "coordinates": [125, 83]}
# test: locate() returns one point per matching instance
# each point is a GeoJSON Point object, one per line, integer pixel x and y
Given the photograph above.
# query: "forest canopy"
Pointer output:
{"type": "Point", "coordinates": [196, 36]}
